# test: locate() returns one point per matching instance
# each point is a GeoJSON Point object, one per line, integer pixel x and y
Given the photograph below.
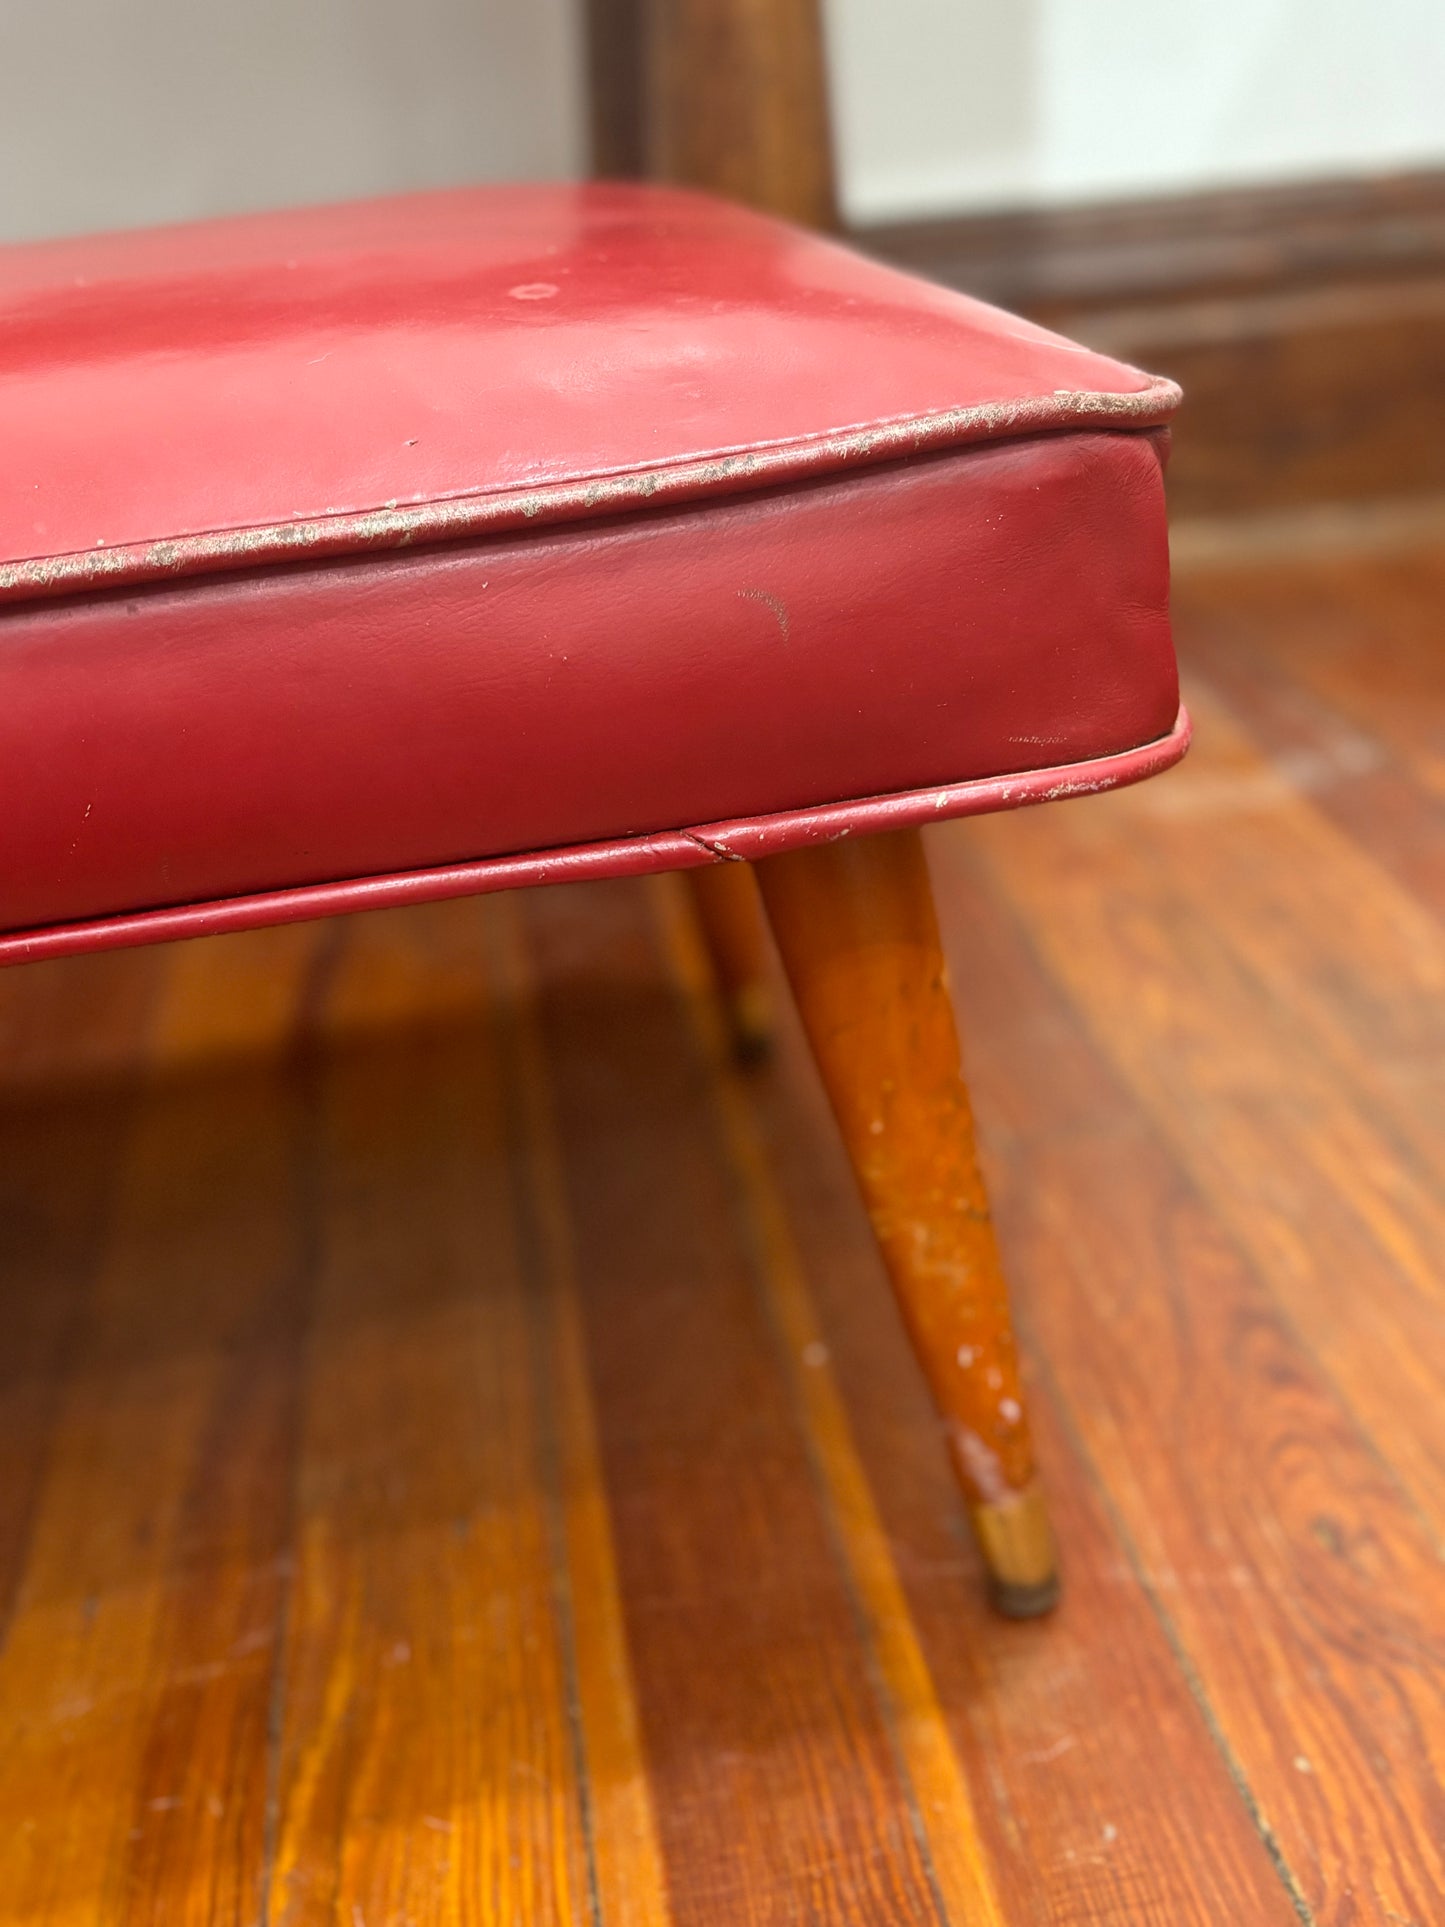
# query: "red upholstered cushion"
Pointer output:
{"type": "Point", "coordinates": [423, 539]}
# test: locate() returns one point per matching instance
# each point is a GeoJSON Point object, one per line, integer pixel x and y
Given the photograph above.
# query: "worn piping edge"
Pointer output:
{"type": "Point", "coordinates": [749, 838]}
{"type": "Point", "coordinates": [742, 839]}
{"type": "Point", "coordinates": [610, 493]}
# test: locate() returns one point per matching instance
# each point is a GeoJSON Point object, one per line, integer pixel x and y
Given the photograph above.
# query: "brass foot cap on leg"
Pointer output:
{"type": "Point", "coordinates": [1023, 1602]}
{"type": "Point", "coordinates": [1017, 1544]}
{"type": "Point", "coordinates": [750, 1022]}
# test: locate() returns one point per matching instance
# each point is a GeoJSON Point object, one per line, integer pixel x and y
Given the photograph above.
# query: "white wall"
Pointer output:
{"type": "Point", "coordinates": [115, 112]}
{"type": "Point", "coordinates": [946, 104]}
{"type": "Point", "coordinates": [120, 111]}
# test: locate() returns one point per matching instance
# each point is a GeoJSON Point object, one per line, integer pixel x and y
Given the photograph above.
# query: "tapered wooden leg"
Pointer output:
{"type": "Point", "coordinates": [731, 918]}
{"type": "Point", "coordinates": [859, 939]}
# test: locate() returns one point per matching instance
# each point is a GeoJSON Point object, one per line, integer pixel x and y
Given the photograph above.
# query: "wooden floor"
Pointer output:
{"type": "Point", "coordinates": [460, 1463]}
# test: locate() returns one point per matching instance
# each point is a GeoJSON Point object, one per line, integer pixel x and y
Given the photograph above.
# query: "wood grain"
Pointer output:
{"type": "Point", "coordinates": [1263, 664]}
{"type": "Point", "coordinates": [784, 1794]}
{"type": "Point", "coordinates": [135, 1680]}
{"type": "Point", "coordinates": [857, 932]}
{"type": "Point", "coordinates": [1326, 641]}
{"type": "Point", "coordinates": [1085, 1814]}
{"type": "Point", "coordinates": [943, 1803]}
{"type": "Point", "coordinates": [629, 1881]}
{"type": "Point", "coordinates": [1323, 1163]}
{"type": "Point", "coordinates": [1274, 1542]}
{"type": "Point", "coordinates": [426, 1762]}
{"type": "Point", "coordinates": [67, 1039]}
{"type": "Point", "coordinates": [1247, 971]}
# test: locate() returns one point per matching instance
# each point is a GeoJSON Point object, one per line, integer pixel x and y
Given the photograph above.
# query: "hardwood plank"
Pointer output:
{"type": "Point", "coordinates": [135, 1681]}
{"type": "Point", "coordinates": [76, 1021]}
{"type": "Point", "coordinates": [1360, 632]}
{"type": "Point", "coordinates": [1359, 961]}
{"type": "Point", "coordinates": [426, 1766]}
{"type": "Point", "coordinates": [1321, 1163]}
{"type": "Point", "coordinates": [626, 1860]}
{"type": "Point", "coordinates": [65, 1035]}
{"type": "Point", "coordinates": [1096, 1786]}
{"type": "Point", "coordinates": [1342, 1582]}
{"type": "Point", "coordinates": [943, 1802]}
{"type": "Point", "coordinates": [776, 1791]}
{"type": "Point", "coordinates": [1350, 775]}
{"type": "Point", "coordinates": [1302, 1590]}
{"type": "Point", "coordinates": [1404, 688]}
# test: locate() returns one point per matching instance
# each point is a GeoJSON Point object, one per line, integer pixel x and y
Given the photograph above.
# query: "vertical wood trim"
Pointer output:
{"type": "Point", "coordinates": [736, 98]}
{"type": "Point", "coordinates": [613, 31]}
{"type": "Point", "coordinates": [726, 95]}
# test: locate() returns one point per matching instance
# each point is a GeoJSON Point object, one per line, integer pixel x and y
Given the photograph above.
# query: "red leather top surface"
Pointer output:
{"type": "Point", "coordinates": [337, 379]}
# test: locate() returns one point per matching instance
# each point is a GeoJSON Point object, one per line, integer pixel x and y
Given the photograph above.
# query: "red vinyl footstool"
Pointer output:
{"type": "Point", "coordinates": [368, 554]}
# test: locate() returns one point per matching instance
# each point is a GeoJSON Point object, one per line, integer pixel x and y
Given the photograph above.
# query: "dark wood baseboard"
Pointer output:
{"type": "Point", "coordinates": [1306, 324]}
